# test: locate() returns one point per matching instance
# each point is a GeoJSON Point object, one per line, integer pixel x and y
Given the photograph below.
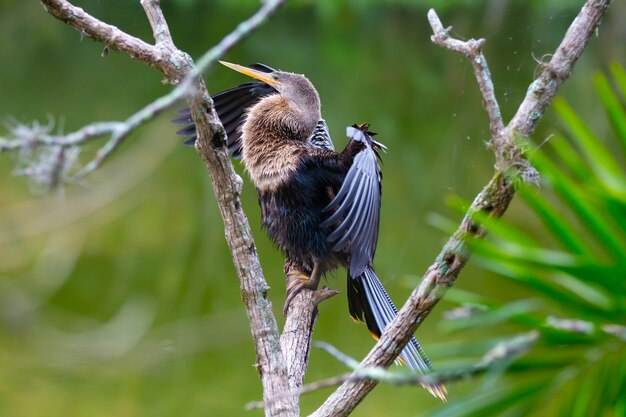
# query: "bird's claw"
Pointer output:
{"type": "Point", "coordinates": [295, 284]}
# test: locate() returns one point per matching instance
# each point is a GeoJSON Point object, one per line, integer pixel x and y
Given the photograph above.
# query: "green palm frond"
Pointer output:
{"type": "Point", "coordinates": [577, 284]}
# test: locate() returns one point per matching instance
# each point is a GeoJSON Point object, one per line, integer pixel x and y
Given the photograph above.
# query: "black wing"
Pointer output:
{"type": "Point", "coordinates": [356, 206]}
{"type": "Point", "coordinates": [231, 106]}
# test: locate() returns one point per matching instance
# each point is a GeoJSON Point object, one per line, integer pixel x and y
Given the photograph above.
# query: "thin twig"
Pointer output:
{"type": "Point", "coordinates": [473, 50]}
{"type": "Point", "coordinates": [169, 61]}
{"type": "Point", "coordinates": [502, 354]}
{"type": "Point", "coordinates": [121, 130]}
{"type": "Point", "coordinates": [312, 387]}
{"type": "Point", "coordinates": [118, 130]}
{"type": "Point", "coordinates": [39, 137]}
{"type": "Point", "coordinates": [492, 201]}
{"type": "Point", "coordinates": [349, 361]}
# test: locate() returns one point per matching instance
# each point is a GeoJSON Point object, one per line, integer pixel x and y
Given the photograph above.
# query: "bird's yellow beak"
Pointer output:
{"type": "Point", "coordinates": [259, 75]}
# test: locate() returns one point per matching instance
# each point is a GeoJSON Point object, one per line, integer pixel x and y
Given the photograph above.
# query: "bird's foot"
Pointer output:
{"type": "Point", "coordinates": [296, 282]}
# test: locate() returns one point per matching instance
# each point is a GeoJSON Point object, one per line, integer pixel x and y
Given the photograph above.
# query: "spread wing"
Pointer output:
{"type": "Point", "coordinates": [231, 106]}
{"type": "Point", "coordinates": [356, 207]}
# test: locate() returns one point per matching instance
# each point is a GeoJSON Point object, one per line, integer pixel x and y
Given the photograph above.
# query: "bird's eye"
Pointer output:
{"type": "Point", "coordinates": [275, 77]}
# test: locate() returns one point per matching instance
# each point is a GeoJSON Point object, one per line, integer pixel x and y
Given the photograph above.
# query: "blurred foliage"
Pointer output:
{"type": "Point", "coordinates": [577, 285]}
{"type": "Point", "coordinates": [330, 8]}
{"type": "Point", "coordinates": [118, 296]}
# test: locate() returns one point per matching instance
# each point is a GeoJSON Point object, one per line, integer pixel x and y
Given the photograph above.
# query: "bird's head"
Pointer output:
{"type": "Point", "coordinates": [296, 89]}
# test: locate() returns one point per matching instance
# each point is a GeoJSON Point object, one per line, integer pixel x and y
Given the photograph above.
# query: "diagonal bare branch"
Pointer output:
{"type": "Point", "coordinates": [492, 201]}
{"type": "Point", "coordinates": [502, 354]}
{"type": "Point", "coordinates": [167, 61]}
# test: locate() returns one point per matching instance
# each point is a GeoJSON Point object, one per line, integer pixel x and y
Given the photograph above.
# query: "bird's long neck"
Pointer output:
{"type": "Point", "coordinates": [274, 135]}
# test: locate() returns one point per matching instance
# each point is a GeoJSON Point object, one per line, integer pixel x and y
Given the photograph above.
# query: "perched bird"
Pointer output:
{"type": "Point", "coordinates": [319, 206]}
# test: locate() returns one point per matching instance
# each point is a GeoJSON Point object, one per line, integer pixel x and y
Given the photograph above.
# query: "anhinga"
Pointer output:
{"type": "Point", "coordinates": [320, 207]}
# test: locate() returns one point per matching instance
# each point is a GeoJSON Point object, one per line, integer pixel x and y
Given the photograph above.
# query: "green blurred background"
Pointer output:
{"type": "Point", "coordinates": [118, 297]}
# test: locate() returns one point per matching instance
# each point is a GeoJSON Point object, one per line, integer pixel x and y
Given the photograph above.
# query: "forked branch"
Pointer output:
{"type": "Point", "coordinates": [179, 69]}
{"type": "Point", "coordinates": [492, 201]}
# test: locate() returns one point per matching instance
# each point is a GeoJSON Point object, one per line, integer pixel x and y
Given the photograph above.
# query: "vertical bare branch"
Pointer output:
{"type": "Point", "coordinates": [296, 337]}
{"type": "Point", "coordinates": [160, 29]}
{"type": "Point", "coordinates": [473, 50]}
{"type": "Point", "coordinates": [176, 66]}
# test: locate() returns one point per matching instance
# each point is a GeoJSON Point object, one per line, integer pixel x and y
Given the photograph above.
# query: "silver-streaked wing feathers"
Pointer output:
{"type": "Point", "coordinates": [356, 207]}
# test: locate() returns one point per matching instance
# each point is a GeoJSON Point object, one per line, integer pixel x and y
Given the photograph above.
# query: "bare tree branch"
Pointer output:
{"type": "Point", "coordinates": [176, 65]}
{"type": "Point", "coordinates": [31, 137]}
{"type": "Point", "coordinates": [295, 339]}
{"type": "Point", "coordinates": [167, 60]}
{"type": "Point", "coordinates": [472, 50]}
{"type": "Point", "coordinates": [502, 354]}
{"type": "Point", "coordinates": [160, 29]}
{"type": "Point", "coordinates": [492, 201]}
{"type": "Point", "coordinates": [43, 138]}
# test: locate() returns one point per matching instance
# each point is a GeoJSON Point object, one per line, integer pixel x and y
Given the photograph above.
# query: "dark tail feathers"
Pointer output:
{"type": "Point", "coordinates": [368, 301]}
